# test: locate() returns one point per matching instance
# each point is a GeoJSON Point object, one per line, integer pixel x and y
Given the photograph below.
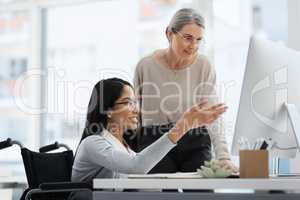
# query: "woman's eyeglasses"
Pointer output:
{"type": "Point", "coordinates": [189, 39]}
{"type": "Point", "coordinates": [131, 103]}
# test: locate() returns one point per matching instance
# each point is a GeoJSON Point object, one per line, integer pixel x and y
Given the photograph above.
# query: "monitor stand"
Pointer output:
{"type": "Point", "coordinates": [294, 118]}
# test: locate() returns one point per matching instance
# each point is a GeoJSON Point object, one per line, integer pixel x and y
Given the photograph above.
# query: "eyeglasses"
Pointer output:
{"type": "Point", "coordinates": [131, 103]}
{"type": "Point", "coordinates": [189, 39]}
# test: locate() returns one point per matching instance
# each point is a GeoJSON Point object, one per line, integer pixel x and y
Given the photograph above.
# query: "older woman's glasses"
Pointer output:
{"type": "Point", "coordinates": [189, 39]}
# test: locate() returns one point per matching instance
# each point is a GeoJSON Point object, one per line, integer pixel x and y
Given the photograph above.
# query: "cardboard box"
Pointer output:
{"type": "Point", "coordinates": [254, 164]}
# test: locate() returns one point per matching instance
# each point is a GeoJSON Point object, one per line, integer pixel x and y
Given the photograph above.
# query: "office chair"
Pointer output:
{"type": "Point", "coordinates": [48, 174]}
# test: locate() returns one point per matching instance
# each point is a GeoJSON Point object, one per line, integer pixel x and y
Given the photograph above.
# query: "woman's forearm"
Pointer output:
{"type": "Point", "coordinates": [177, 132]}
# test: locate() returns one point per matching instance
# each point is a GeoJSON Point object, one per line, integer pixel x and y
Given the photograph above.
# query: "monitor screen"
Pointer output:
{"type": "Point", "coordinates": [272, 78]}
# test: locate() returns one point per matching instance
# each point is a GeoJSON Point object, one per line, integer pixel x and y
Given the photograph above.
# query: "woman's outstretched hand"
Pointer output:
{"type": "Point", "coordinates": [202, 114]}
{"type": "Point", "coordinates": [196, 116]}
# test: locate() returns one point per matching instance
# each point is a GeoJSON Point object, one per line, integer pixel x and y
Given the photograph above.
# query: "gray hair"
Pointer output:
{"type": "Point", "coordinates": [183, 17]}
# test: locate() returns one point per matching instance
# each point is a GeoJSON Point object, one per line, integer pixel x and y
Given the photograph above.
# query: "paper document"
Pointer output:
{"type": "Point", "coordinates": [183, 175]}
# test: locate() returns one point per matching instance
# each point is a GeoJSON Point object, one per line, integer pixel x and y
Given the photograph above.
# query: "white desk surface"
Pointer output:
{"type": "Point", "coordinates": [210, 184]}
{"type": "Point", "coordinates": [13, 182]}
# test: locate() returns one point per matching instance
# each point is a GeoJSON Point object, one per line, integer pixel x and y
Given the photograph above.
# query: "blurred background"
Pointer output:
{"type": "Point", "coordinates": [52, 52]}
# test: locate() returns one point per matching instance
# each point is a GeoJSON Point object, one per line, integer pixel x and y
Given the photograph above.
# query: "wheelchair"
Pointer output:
{"type": "Point", "coordinates": [48, 174]}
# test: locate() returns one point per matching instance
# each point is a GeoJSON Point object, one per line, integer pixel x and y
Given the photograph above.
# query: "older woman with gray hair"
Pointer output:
{"type": "Point", "coordinates": [169, 81]}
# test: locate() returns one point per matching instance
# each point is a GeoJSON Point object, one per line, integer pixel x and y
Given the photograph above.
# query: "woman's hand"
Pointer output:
{"type": "Point", "coordinates": [228, 164]}
{"type": "Point", "coordinates": [200, 115]}
{"type": "Point", "coordinates": [196, 116]}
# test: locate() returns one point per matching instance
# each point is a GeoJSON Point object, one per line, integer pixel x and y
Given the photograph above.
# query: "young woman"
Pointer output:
{"type": "Point", "coordinates": [112, 111]}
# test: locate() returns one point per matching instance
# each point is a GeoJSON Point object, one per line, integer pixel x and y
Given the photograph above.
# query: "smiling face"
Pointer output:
{"type": "Point", "coordinates": [185, 42]}
{"type": "Point", "coordinates": [124, 113]}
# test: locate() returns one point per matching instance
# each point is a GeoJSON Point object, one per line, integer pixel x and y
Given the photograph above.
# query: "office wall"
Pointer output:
{"type": "Point", "coordinates": [294, 42]}
{"type": "Point", "coordinates": [293, 24]}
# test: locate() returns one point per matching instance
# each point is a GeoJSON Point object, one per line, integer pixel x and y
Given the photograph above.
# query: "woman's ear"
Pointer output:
{"type": "Point", "coordinates": [109, 114]}
{"type": "Point", "coordinates": [168, 34]}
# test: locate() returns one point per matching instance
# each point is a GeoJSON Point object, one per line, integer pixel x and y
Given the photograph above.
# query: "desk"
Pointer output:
{"type": "Point", "coordinates": [282, 184]}
{"type": "Point", "coordinates": [13, 182]}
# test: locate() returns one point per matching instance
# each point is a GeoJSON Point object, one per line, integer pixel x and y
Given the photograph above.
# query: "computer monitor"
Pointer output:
{"type": "Point", "coordinates": [271, 79]}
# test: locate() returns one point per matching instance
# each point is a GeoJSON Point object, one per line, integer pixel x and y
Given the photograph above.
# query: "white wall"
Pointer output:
{"type": "Point", "coordinates": [293, 24]}
{"type": "Point", "coordinates": [294, 42]}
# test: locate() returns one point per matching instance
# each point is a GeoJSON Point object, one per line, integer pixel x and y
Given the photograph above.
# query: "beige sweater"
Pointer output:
{"type": "Point", "coordinates": [165, 94]}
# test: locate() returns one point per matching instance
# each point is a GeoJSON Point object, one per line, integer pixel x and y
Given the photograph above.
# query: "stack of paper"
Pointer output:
{"type": "Point", "coordinates": [184, 175]}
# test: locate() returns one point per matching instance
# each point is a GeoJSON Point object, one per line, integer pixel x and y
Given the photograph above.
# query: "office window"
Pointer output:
{"type": "Point", "coordinates": [14, 59]}
{"type": "Point", "coordinates": [102, 39]}
{"type": "Point", "coordinates": [6, 2]}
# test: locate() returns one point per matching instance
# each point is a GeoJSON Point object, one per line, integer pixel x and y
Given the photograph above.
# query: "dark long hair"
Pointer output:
{"type": "Point", "coordinates": [104, 95]}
